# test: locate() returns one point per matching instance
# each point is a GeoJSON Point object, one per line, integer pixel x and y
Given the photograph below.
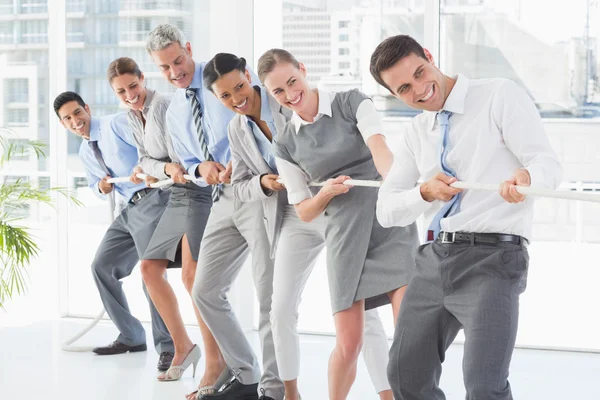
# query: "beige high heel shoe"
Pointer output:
{"type": "Point", "coordinates": [176, 371]}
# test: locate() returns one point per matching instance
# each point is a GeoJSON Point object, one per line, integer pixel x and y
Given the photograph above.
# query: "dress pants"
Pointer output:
{"type": "Point", "coordinates": [235, 229]}
{"type": "Point", "coordinates": [459, 285]}
{"type": "Point", "coordinates": [123, 245]}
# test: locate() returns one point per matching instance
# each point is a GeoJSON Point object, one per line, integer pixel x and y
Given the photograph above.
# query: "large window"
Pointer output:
{"type": "Point", "coordinates": [550, 48]}
{"type": "Point", "coordinates": [17, 90]}
{"type": "Point", "coordinates": [349, 31]}
{"type": "Point", "coordinates": [6, 32]}
{"type": "Point", "coordinates": [96, 33]}
{"type": "Point", "coordinates": [34, 6]}
{"type": "Point", "coordinates": [24, 117]}
{"type": "Point", "coordinates": [34, 31]}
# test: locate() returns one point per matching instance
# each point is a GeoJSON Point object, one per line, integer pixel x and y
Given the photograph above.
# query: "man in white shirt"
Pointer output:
{"type": "Point", "coordinates": [473, 270]}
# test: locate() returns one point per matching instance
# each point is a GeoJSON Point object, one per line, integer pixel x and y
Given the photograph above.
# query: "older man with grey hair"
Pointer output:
{"type": "Point", "coordinates": [197, 123]}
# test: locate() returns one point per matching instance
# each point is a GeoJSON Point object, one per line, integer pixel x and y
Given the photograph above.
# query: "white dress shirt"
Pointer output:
{"type": "Point", "coordinates": [295, 179]}
{"type": "Point", "coordinates": [495, 129]}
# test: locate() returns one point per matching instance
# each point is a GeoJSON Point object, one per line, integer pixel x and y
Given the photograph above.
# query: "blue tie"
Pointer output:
{"type": "Point", "coordinates": [197, 114]}
{"type": "Point", "coordinates": [452, 206]}
{"type": "Point", "coordinates": [98, 154]}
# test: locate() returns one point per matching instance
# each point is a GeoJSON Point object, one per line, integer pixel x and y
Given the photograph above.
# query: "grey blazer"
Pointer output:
{"type": "Point", "coordinates": [249, 165]}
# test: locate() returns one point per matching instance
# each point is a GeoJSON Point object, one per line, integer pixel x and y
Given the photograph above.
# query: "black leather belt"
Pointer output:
{"type": "Point", "coordinates": [480, 238]}
{"type": "Point", "coordinates": [140, 194]}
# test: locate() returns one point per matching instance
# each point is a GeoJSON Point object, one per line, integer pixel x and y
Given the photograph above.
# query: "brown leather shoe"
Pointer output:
{"type": "Point", "coordinates": [117, 347]}
{"type": "Point", "coordinates": [164, 360]}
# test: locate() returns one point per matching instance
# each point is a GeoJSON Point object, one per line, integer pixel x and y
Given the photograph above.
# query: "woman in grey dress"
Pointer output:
{"type": "Point", "coordinates": [330, 138]}
{"type": "Point", "coordinates": [179, 232]}
{"type": "Point", "coordinates": [294, 244]}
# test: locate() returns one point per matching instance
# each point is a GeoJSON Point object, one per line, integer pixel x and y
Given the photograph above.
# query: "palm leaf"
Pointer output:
{"type": "Point", "coordinates": [17, 246]}
{"type": "Point", "coordinates": [18, 148]}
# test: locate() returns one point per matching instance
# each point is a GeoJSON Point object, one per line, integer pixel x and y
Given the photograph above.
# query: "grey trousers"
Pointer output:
{"type": "Point", "coordinates": [475, 287]}
{"type": "Point", "coordinates": [234, 230]}
{"type": "Point", "coordinates": [121, 248]}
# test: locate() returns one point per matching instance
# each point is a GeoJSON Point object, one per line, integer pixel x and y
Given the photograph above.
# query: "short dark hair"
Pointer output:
{"type": "Point", "coordinates": [65, 98]}
{"type": "Point", "coordinates": [390, 51]}
{"type": "Point", "coordinates": [219, 65]}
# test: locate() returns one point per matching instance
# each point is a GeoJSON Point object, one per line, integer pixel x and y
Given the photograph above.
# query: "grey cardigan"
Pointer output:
{"type": "Point", "coordinates": [249, 165]}
{"type": "Point", "coordinates": [155, 148]}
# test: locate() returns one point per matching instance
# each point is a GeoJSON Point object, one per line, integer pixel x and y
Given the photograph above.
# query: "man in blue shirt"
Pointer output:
{"type": "Point", "coordinates": [197, 123]}
{"type": "Point", "coordinates": [108, 150]}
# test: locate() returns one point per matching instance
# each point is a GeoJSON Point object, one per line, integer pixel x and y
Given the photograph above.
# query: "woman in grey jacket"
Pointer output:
{"type": "Point", "coordinates": [294, 244]}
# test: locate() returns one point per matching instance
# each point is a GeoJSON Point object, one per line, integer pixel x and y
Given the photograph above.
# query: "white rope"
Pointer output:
{"type": "Point", "coordinates": [349, 182]}
{"type": "Point", "coordinates": [352, 182]}
{"type": "Point", "coordinates": [155, 185]}
{"type": "Point", "coordinates": [68, 344]}
{"type": "Point", "coordinates": [170, 181]}
{"type": "Point", "coordinates": [124, 179]}
{"type": "Point", "coordinates": [529, 191]}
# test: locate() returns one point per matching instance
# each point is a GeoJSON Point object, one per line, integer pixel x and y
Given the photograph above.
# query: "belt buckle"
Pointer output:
{"type": "Point", "coordinates": [446, 235]}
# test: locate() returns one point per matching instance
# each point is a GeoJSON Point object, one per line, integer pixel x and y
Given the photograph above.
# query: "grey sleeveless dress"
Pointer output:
{"type": "Point", "coordinates": [364, 260]}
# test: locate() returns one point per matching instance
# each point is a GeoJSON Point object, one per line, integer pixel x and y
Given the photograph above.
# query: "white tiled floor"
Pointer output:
{"type": "Point", "coordinates": [32, 366]}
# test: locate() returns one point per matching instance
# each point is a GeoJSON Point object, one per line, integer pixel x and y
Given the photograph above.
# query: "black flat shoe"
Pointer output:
{"type": "Point", "coordinates": [234, 390]}
{"type": "Point", "coordinates": [164, 361]}
{"type": "Point", "coordinates": [117, 347]}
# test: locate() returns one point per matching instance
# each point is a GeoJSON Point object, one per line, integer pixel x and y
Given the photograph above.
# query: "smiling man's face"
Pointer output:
{"type": "Point", "coordinates": [76, 118]}
{"type": "Point", "coordinates": [417, 82]}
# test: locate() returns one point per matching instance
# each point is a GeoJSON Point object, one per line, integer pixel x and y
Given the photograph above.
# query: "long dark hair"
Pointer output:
{"type": "Point", "coordinates": [219, 65]}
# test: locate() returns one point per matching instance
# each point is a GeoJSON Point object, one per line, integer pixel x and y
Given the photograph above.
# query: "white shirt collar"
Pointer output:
{"type": "Point", "coordinates": [324, 108]}
{"type": "Point", "coordinates": [455, 103]}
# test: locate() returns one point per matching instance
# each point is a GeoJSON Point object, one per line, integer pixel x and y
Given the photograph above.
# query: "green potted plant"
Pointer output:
{"type": "Point", "coordinates": [17, 245]}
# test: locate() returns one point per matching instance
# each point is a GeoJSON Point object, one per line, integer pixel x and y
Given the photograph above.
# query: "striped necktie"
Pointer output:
{"type": "Point", "coordinates": [452, 206]}
{"type": "Point", "coordinates": [197, 115]}
{"type": "Point", "coordinates": [98, 154]}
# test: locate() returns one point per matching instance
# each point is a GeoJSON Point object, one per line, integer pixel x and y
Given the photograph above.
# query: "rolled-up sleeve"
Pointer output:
{"type": "Point", "coordinates": [400, 202]}
{"type": "Point", "coordinates": [368, 120]}
{"type": "Point", "coordinates": [295, 181]}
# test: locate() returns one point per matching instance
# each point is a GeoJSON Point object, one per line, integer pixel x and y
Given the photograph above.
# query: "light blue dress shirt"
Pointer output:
{"type": "Point", "coordinates": [264, 146]}
{"type": "Point", "coordinates": [215, 118]}
{"type": "Point", "coordinates": [116, 143]}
